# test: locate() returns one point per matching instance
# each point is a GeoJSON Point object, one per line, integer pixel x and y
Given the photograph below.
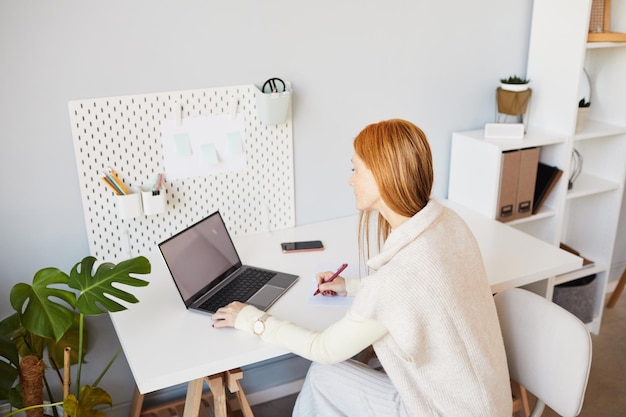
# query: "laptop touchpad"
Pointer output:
{"type": "Point", "coordinates": [265, 296]}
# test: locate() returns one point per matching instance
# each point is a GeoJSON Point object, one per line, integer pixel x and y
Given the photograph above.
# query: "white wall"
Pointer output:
{"type": "Point", "coordinates": [351, 63]}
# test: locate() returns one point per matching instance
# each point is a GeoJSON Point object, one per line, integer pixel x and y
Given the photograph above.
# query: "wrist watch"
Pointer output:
{"type": "Point", "coordinates": [259, 325]}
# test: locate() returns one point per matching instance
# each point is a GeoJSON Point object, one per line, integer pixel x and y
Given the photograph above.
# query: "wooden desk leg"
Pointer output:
{"type": "Point", "coordinates": [216, 384]}
{"type": "Point", "coordinates": [234, 385]}
{"type": "Point", "coordinates": [136, 403]}
{"type": "Point", "coordinates": [520, 400]}
{"type": "Point", "coordinates": [194, 397]}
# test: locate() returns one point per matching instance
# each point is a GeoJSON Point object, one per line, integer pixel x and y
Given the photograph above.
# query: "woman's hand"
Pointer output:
{"type": "Point", "coordinates": [227, 315]}
{"type": "Point", "coordinates": [336, 287]}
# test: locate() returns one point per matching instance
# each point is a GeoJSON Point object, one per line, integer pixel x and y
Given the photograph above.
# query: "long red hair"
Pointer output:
{"type": "Point", "coordinates": [399, 156]}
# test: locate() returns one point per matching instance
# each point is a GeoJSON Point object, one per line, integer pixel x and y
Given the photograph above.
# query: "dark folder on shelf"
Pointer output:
{"type": "Point", "coordinates": [547, 177]}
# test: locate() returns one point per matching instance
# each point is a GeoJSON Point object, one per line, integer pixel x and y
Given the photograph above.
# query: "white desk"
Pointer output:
{"type": "Point", "coordinates": [166, 345]}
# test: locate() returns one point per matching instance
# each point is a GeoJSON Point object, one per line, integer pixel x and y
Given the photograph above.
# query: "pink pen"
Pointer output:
{"type": "Point", "coordinates": [333, 276]}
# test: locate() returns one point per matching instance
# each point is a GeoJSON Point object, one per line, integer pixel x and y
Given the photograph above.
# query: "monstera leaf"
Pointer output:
{"type": "Point", "coordinates": [9, 370]}
{"type": "Point", "coordinates": [37, 305]}
{"type": "Point", "coordinates": [50, 316]}
{"type": "Point", "coordinates": [90, 397]}
{"type": "Point", "coordinates": [97, 293]}
{"type": "Point", "coordinates": [28, 343]}
{"type": "Point", "coordinates": [56, 350]}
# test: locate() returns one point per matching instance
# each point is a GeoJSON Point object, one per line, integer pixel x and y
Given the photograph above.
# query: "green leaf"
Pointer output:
{"type": "Point", "coordinates": [90, 397]}
{"type": "Point", "coordinates": [8, 367]}
{"type": "Point", "coordinates": [16, 397]}
{"type": "Point", "coordinates": [36, 305]}
{"type": "Point", "coordinates": [98, 295]}
{"type": "Point", "coordinates": [56, 350]}
{"type": "Point", "coordinates": [29, 343]}
{"type": "Point", "coordinates": [10, 326]}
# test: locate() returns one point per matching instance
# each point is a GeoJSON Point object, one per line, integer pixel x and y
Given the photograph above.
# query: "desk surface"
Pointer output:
{"type": "Point", "coordinates": [166, 345]}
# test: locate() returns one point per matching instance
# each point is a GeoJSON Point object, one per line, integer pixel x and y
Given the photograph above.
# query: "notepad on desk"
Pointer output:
{"type": "Point", "coordinates": [330, 300]}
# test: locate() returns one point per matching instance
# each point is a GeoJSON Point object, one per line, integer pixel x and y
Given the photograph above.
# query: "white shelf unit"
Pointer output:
{"type": "Point", "coordinates": [475, 164]}
{"type": "Point", "coordinates": [585, 217]}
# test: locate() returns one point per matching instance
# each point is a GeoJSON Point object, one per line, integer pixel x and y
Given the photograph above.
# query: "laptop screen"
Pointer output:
{"type": "Point", "coordinates": [200, 257]}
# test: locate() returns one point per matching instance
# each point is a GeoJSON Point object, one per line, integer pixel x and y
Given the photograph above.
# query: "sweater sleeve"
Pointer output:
{"type": "Point", "coordinates": [353, 285]}
{"type": "Point", "coordinates": [339, 342]}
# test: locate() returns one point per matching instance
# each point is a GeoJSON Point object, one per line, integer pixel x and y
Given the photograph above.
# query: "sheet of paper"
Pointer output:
{"type": "Point", "coordinates": [209, 154]}
{"type": "Point", "coordinates": [328, 300]}
{"type": "Point", "coordinates": [203, 146]}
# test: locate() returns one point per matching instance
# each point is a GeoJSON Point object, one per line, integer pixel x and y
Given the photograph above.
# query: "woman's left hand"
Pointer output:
{"type": "Point", "coordinates": [227, 315]}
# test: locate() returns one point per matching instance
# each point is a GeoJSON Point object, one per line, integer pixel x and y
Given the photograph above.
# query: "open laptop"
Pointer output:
{"type": "Point", "coordinates": [208, 273]}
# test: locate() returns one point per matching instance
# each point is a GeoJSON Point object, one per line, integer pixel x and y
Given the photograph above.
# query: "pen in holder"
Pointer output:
{"type": "Point", "coordinates": [128, 205]}
{"type": "Point", "coordinates": [153, 197]}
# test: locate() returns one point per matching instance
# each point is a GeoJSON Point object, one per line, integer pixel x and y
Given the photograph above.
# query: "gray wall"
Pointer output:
{"type": "Point", "coordinates": [350, 62]}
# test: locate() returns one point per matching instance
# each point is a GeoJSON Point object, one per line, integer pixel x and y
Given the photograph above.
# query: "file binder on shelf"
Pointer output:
{"type": "Point", "coordinates": [517, 184]}
{"type": "Point", "coordinates": [509, 177]}
{"type": "Point", "coordinates": [526, 183]}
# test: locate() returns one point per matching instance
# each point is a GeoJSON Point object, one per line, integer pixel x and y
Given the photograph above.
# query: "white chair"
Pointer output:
{"type": "Point", "coordinates": [548, 350]}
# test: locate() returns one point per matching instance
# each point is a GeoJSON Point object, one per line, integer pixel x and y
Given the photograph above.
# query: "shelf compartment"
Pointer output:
{"type": "Point", "coordinates": [596, 268]}
{"type": "Point", "coordinates": [594, 129]}
{"type": "Point", "coordinates": [606, 44]}
{"type": "Point", "coordinates": [606, 37]}
{"type": "Point", "coordinates": [533, 138]}
{"type": "Point", "coordinates": [587, 185]}
{"type": "Point", "coordinates": [544, 213]}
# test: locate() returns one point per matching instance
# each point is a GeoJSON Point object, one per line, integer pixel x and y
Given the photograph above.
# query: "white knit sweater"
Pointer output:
{"type": "Point", "coordinates": [444, 351]}
{"type": "Point", "coordinates": [429, 313]}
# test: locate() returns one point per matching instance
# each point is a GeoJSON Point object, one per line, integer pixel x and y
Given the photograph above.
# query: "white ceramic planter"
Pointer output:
{"type": "Point", "coordinates": [514, 87]}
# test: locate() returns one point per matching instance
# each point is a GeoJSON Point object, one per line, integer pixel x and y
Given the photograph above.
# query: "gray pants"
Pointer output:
{"type": "Point", "coordinates": [349, 389]}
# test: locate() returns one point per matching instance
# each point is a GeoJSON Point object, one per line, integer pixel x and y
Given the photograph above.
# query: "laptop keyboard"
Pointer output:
{"type": "Point", "coordinates": [239, 289]}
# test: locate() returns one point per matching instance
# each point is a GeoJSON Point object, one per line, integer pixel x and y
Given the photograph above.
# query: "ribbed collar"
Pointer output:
{"type": "Point", "coordinates": [406, 233]}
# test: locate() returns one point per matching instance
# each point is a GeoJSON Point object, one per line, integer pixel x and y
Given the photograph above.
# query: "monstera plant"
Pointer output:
{"type": "Point", "coordinates": [49, 320]}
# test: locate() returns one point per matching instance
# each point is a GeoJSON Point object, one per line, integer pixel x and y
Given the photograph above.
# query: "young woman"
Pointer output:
{"type": "Point", "coordinates": [427, 308]}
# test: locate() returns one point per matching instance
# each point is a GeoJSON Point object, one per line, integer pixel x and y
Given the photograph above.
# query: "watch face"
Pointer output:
{"type": "Point", "coordinates": [259, 326]}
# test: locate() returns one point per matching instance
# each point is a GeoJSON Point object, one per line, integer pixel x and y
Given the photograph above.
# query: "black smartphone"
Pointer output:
{"type": "Point", "coordinates": [310, 245]}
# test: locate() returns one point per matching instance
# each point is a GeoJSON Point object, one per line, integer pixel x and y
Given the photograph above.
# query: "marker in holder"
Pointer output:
{"type": "Point", "coordinates": [153, 197]}
{"type": "Point", "coordinates": [153, 202]}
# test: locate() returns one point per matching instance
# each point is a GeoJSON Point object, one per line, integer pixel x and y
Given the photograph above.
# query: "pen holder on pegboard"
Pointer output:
{"type": "Point", "coordinates": [128, 205]}
{"type": "Point", "coordinates": [273, 99]}
{"type": "Point", "coordinates": [153, 202]}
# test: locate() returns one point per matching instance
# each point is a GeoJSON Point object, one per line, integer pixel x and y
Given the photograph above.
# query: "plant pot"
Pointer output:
{"type": "Point", "coordinates": [583, 114]}
{"type": "Point", "coordinates": [514, 87]}
{"type": "Point", "coordinates": [513, 103]}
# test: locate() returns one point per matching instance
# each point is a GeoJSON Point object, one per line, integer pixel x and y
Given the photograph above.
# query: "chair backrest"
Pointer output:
{"type": "Point", "coordinates": [548, 350]}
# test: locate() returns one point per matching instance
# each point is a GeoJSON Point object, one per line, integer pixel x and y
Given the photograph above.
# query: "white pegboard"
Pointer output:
{"type": "Point", "coordinates": [125, 133]}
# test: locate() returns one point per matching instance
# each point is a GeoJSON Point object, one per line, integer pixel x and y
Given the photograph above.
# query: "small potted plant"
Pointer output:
{"type": "Point", "coordinates": [49, 319]}
{"type": "Point", "coordinates": [512, 97]}
{"type": "Point", "coordinates": [583, 113]}
{"type": "Point", "coordinates": [514, 83]}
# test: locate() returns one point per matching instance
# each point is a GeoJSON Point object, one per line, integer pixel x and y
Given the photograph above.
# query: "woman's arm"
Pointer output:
{"type": "Point", "coordinates": [341, 341]}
